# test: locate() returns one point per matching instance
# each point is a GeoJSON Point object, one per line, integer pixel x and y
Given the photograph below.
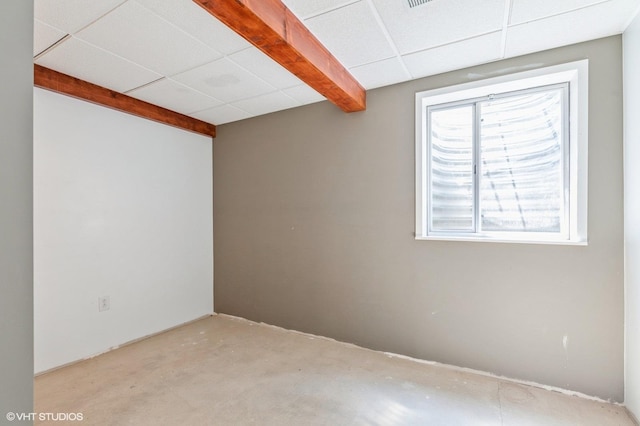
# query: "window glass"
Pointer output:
{"type": "Point", "coordinates": [521, 142]}
{"type": "Point", "coordinates": [452, 196]}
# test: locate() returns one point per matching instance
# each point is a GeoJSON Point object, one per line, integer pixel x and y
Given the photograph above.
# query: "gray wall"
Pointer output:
{"type": "Point", "coordinates": [16, 207]}
{"type": "Point", "coordinates": [631, 42]}
{"type": "Point", "coordinates": [314, 221]}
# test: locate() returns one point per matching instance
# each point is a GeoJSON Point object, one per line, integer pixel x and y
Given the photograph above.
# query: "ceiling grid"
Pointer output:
{"type": "Point", "coordinates": [174, 54]}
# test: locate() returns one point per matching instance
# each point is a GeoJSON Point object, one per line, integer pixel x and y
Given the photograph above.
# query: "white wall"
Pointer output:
{"type": "Point", "coordinates": [16, 195]}
{"type": "Point", "coordinates": [631, 54]}
{"type": "Point", "coordinates": [122, 208]}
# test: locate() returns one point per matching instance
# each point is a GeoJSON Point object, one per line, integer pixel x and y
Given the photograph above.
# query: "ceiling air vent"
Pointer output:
{"type": "Point", "coordinates": [414, 3]}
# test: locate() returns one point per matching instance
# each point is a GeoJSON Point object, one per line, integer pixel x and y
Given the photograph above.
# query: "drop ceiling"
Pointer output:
{"type": "Point", "coordinates": [174, 54]}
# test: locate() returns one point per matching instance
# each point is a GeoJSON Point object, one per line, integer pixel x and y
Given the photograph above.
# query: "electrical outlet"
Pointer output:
{"type": "Point", "coordinates": [103, 303]}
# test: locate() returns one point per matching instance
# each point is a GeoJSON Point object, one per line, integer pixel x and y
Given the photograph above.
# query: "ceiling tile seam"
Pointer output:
{"type": "Point", "coordinates": [178, 83]}
{"type": "Point", "coordinates": [566, 12]}
{"type": "Point", "coordinates": [387, 35]}
{"type": "Point", "coordinates": [224, 56]}
{"type": "Point", "coordinates": [220, 54]}
{"type": "Point", "coordinates": [276, 90]}
{"type": "Point", "coordinates": [219, 106]}
{"type": "Point", "coordinates": [195, 90]}
{"type": "Point", "coordinates": [386, 58]}
{"type": "Point", "coordinates": [328, 10]}
{"type": "Point", "coordinates": [364, 64]}
{"type": "Point", "coordinates": [144, 85]}
{"type": "Point", "coordinates": [52, 46]}
{"type": "Point", "coordinates": [291, 97]}
{"type": "Point", "coordinates": [508, 7]}
{"type": "Point", "coordinates": [49, 25]}
{"type": "Point", "coordinates": [633, 16]}
{"type": "Point", "coordinates": [452, 42]}
{"type": "Point", "coordinates": [261, 79]}
{"type": "Point", "coordinates": [175, 74]}
{"type": "Point", "coordinates": [109, 52]}
{"type": "Point", "coordinates": [191, 112]}
{"type": "Point", "coordinates": [238, 51]}
{"type": "Point", "coordinates": [307, 101]}
{"type": "Point", "coordinates": [297, 102]}
{"type": "Point", "coordinates": [100, 17]}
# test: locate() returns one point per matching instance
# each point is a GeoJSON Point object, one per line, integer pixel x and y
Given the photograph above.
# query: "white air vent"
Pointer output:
{"type": "Point", "coordinates": [414, 3]}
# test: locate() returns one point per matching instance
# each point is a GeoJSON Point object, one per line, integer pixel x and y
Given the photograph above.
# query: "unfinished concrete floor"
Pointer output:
{"type": "Point", "coordinates": [228, 371]}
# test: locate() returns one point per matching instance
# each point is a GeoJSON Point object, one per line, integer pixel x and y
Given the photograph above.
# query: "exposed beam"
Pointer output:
{"type": "Point", "coordinates": [273, 28]}
{"type": "Point", "coordinates": [55, 81]}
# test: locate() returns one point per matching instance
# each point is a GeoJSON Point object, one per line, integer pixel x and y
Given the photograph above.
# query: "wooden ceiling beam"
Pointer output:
{"type": "Point", "coordinates": [55, 81]}
{"type": "Point", "coordinates": [273, 28]}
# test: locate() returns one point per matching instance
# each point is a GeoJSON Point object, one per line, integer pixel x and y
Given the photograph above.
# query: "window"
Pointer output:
{"type": "Point", "coordinates": [504, 159]}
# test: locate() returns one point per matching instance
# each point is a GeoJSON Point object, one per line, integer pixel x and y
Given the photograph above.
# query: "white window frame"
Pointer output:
{"type": "Point", "coordinates": [575, 74]}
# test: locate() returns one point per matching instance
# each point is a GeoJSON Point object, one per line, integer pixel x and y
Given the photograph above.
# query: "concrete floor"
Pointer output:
{"type": "Point", "coordinates": [228, 371]}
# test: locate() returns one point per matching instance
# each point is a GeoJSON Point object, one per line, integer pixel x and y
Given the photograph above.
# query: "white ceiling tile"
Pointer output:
{"type": "Point", "coordinates": [89, 63]}
{"type": "Point", "coordinates": [193, 19]}
{"type": "Point", "coordinates": [265, 104]}
{"type": "Point", "coordinates": [135, 33]}
{"type": "Point", "coordinates": [72, 15]}
{"type": "Point", "coordinates": [382, 73]}
{"type": "Point", "coordinates": [221, 115]}
{"type": "Point", "coordinates": [304, 94]}
{"type": "Point", "coordinates": [44, 36]}
{"type": "Point", "coordinates": [307, 8]}
{"type": "Point", "coordinates": [174, 96]}
{"type": "Point", "coordinates": [454, 56]}
{"type": "Point", "coordinates": [270, 71]}
{"type": "Point", "coordinates": [352, 34]}
{"type": "Point", "coordinates": [561, 30]}
{"type": "Point", "coordinates": [438, 22]}
{"type": "Point", "coordinates": [224, 80]}
{"type": "Point", "coordinates": [125, 44]}
{"type": "Point", "coordinates": [526, 10]}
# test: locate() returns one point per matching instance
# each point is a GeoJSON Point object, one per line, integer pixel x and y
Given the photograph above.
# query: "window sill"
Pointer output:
{"type": "Point", "coordinates": [498, 240]}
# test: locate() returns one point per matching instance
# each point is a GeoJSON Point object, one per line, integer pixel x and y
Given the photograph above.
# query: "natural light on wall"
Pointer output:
{"type": "Point", "coordinates": [504, 159]}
